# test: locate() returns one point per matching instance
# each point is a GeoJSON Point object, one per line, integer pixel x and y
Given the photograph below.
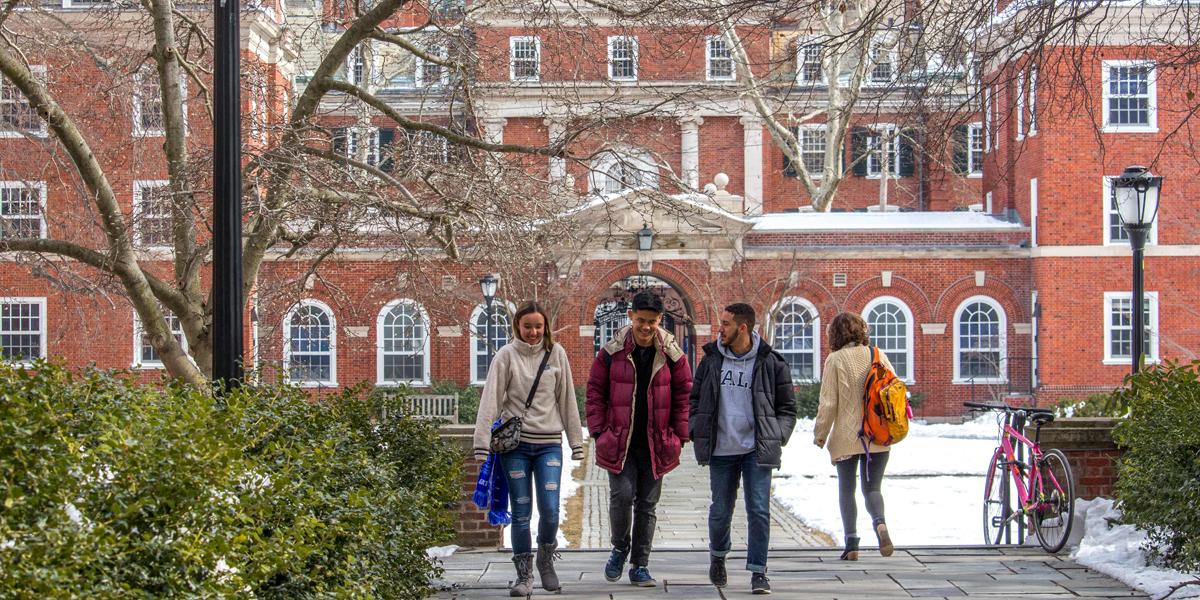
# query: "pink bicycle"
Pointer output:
{"type": "Point", "coordinates": [1044, 483]}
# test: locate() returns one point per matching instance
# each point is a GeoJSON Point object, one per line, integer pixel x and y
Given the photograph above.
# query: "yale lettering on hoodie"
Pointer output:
{"type": "Point", "coordinates": [728, 380]}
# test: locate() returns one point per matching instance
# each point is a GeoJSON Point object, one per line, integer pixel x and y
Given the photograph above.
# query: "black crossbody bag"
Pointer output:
{"type": "Point", "coordinates": [507, 434]}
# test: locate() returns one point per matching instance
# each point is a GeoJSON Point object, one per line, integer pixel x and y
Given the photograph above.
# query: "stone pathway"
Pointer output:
{"type": "Point", "coordinates": [683, 513]}
{"type": "Point", "coordinates": [813, 574]}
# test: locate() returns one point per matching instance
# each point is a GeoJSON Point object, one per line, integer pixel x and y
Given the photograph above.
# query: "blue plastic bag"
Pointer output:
{"type": "Point", "coordinates": [491, 489]}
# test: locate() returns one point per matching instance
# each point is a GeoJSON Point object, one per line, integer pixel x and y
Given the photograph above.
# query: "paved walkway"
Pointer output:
{"type": "Point", "coordinates": [683, 513]}
{"type": "Point", "coordinates": [813, 574]}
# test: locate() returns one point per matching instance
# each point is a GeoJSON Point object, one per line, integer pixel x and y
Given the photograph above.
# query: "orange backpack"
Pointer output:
{"type": "Point", "coordinates": [885, 405]}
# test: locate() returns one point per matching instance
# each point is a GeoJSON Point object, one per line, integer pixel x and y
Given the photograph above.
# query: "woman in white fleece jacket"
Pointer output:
{"type": "Point", "coordinates": [537, 460]}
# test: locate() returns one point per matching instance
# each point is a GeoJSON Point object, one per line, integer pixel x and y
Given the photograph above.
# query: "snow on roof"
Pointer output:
{"type": "Point", "coordinates": [907, 221]}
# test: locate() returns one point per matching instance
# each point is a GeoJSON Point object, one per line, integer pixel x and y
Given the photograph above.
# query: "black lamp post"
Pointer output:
{"type": "Point", "coordinates": [488, 284]}
{"type": "Point", "coordinates": [1136, 193]}
{"type": "Point", "coordinates": [227, 344]}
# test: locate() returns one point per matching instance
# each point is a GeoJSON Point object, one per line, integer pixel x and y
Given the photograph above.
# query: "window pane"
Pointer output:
{"type": "Point", "coordinates": [888, 328]}
{"type": "Point", "coordinates": [497, 333]}
{"type": "Point", "coordinates": [1129, 95]}
{"type": "Point", "coordinates": [720, 61]}
{"type": "Point", "coordinates": [147, 353]}
{"type": "Point", "coordinates": [812, 148]}
{"type": "Point", "coordinates": [624, 57]}
{"type": "Point", "coordinates": [980, 347]}
{"type": "Point", "coordinates": [810, 64]}
{"type": "Point", "coordinates": [403, 340]}
{"type": "Point", "coordinates": [310, 342]}
{"type": "Point", "coordinates": [20, 211]}
{"type": "Point", "coordinates": [20, 331]}
{"type": "Point", "coordinates": [794, 340]}
{"type": "Point", "coordinates": [525, 58]}
{"type": "Point", "coordinates": [154, 218]}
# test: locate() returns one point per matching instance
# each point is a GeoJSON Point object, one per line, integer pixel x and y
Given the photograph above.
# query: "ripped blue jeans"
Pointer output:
{"type": "Point", "coordinates": [531, 464]}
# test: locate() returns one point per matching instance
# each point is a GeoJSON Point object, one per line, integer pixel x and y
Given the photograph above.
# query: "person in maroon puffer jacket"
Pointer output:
{"type": "Point", "coordinates": [637, 411]}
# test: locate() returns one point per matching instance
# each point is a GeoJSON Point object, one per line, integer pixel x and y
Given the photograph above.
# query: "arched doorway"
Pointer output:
{"type": "Point", "coordinates": [612, 311]}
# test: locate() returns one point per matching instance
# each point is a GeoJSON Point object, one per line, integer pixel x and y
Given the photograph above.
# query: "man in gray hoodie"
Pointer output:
{"type": "Point", "coordinates": [742, 413]}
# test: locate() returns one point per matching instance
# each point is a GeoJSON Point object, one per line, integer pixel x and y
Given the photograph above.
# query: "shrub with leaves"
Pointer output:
{"type": "Point", "coordinates": [115, 490]}
{"type": "Point", "coordinates": [1158, 481]}
{"type": "Point", "coordinates": [1111, 404]}
{"type": "Point", "coordinates": [808, 398]}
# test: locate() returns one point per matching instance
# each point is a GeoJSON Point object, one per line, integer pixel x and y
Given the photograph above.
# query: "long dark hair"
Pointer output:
{"type": "Point", "coordinates": [529, 308]}
{"type": "Point", "coordinates": [845, 329]}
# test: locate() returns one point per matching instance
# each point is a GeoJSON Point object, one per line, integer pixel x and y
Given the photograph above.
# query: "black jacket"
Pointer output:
{"type": "Point", "coordinates": [774, 404]}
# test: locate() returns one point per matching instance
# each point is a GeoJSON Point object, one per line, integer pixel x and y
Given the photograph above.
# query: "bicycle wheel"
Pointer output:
{"type": "Point", "coordinates": [995, 501]}
{"type": "Point", "coordinates": [1055, 498]}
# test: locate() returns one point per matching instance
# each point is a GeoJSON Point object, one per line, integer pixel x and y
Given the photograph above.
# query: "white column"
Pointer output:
{"type": "Point", "coordinates": [690, 147]}
{"type": "Point", "coordinates": [558, 166]}
{"type": "Point", "coordinates": [493, 129]}
{"type": "Point", "coordinates": [753, 160]}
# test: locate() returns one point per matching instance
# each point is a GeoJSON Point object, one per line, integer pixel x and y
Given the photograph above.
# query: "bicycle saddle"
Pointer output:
{"type": "Point", "coordinates": [1040, 418]}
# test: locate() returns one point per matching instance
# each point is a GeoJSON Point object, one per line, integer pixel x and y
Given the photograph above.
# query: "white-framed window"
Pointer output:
{"type": "Point", "coordinates": [310, 345]}
{"type": "Point", "coordinates": [349, 142]}
{"type": "Point", "coordinates": [431, 74]}
{"type": "Point", "coordinates": [525, 58]}
{"type": "Point", "coordinates": [428, 147]}
{"type": "Point", "coordinates": [152, 214]}
{"type": "Point", "coordinates": [17, 117]}
{"type": "Point", "coordinates": [622, 58]}
{"type": "Point", "coordinates": [809, 69]}
{"type": "Point", "coordinates": [402, 344]}
{"type": "Point", "coordinates": [1020, 105]}
{"type": "Point", "coordinates": [884, 59]}
{"type": "Point", "coordinates": [149, 120]}
{"type": "Point", "coordinates": [618, 170]}
{"type": "Point", "coordinates": [890, 326]}
{"type": "Point", "coordinates": [980, 341]}
{"type": "Point", "coordinates": [22, 209]}
{"type": "Point", "coordinates": [988, 124]}
{"type": "Point", "coordinates": [811, 139]}
{"type": "Point", "coordinates": [883, 143]}
{"type": "Point", "coordinates": [1033, 121]}
{"type": "Point", "coordinates": [796, 331]}
{"type": "Point", "coordinates": [718, 59]}
{"type": "Point", "coordinates": [1118, 327]}
{"type": "Point", "coordinates": [1130, 96]}
{"type": "Point", "coordinates": [356, 66]}
{"type": "Point", "coordinates": [22, 329]}
{"type": "Point", "coordinates": [144, 354]}
{"type": "Point", "coordinates": [483, 334]}
{"type": "Point", "coordinates": [1115, 233]}
{"type": "Point", "coordinates": [975, 150]}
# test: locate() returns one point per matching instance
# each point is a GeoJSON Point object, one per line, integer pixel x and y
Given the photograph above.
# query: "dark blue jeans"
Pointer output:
{"type": "Point", "coordinates": [723, 475]}
{"type": "Point", "coordinates": [542, 462]}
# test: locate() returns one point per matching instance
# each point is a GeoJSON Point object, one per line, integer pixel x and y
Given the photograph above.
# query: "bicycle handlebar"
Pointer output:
{"type": "Point", "coordinates": [1009, 409]}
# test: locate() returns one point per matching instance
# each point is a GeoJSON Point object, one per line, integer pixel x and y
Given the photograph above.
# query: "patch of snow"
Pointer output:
{"type": "Point", "coordinates": [441, 551]}
{"type": "Point", "coordinates": [907, 221]}
{"type": "Point", "coordinates": [1118, 551]}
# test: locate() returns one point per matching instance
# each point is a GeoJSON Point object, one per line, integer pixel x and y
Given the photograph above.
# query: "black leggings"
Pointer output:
{"type": "Point", "coordinates": [870, 488]}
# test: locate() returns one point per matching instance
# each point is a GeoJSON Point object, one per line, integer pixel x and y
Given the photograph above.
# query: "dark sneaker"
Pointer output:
{"type": "Point", "coordinates": [615, 564]}
{"type": "Point", "coordinates": [759, 584]}
{"type": "Point", "coordinates": [716, 572]}
{"type": "Point", "coordinates": [640, 576]}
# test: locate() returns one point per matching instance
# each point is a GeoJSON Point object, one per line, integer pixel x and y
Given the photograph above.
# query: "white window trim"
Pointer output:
{"type": "Point", "coordinates": [38, 71]}
{"type": "Point", "coordinates": [512, 57]}
{"type": "Point", "coordinates": [975, 171]}
{"type": "Point", "coordinates": [1151, 352]}
{"type": "Point", "coordinates": [479, 309]}
{"type": "Point", "coordinates": [891, 132]}
{"type": "Point", "coordinates": [138, 131]}
{"type": "Point", "coordinates": [287, 345]}
{"type": "Point", "coordinates": [1106, 202]}
{"type": "Point", "coordinates": [1003, 366]}
{"type": "Point", "coordinates": [41, 187]}
{"type": "Point", "coordinates": [379, 354]}
{"type": "Point", "coordinates": [801, 43]}
{"type": "Point", "coordinates": [419, 79]}
{"type": "Point", "coordinates": [1032, 90]}
{"type": "Point", "coordinates": [893, 59]}
{"type": "Point", "coordinates": [636, 54]}
{"type": "Point", "coordinates": [137, 362]}
{"type": "Point", "coordinates": [708, 76]}
{"type": "Point", "coordinates": [637, 157]}
{"type": "Point", "coordinates": [816, 326]}
{"type": "Point", "coordinates": [908, 338]}
{"type": "Point", "coordinates": [42, 321]}
{"type": "Point", "coordinates": [77, 4]}
{"type": "Point", "coordinates": [1033, 213]}
{"type": "Point", "coordinates": [988, 123]}
{"type": "Point", "coordinates": [1151, 90]}
{"type": "Point", "coordinates": [139, 187]}
{"type": "Point", "coordinates": [1020, 105]}
{"type": "Point", "coordinates": [800, 146]}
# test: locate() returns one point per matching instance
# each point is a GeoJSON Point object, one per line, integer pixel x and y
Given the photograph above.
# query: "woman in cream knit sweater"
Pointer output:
{"type": "Point", "coordinates": [839, 421]}
{"type": "Point", "coordinates": [533, 470]}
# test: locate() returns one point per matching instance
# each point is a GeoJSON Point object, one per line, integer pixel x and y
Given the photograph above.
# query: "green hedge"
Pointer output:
{"type": "Point", "coordinates": [115, 490]}
{"type": "Point", "coordinates": [1158, 483]}
{"type": "Point", "coordinates": [808, 398]}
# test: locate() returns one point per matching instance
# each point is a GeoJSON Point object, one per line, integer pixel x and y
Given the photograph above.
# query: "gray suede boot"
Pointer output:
{"type": "Point", "coordinates": [545, 566]}
{"type": "Point", "coordinates": [523, 586]}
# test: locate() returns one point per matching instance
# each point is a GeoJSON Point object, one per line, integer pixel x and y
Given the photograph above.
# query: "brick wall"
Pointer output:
{"type": "Point", "coordinates": [1089, 447]}
{"type": "Point", "coordinates": [470, 523]}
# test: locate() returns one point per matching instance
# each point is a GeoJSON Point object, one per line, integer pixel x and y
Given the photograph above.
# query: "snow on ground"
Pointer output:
{"type": "Point", "coordinates": [567, 488]}
{"type": "Point", "coordinates": [932, 488]}
{"type": "Point", "coordinates": [1116, 551]}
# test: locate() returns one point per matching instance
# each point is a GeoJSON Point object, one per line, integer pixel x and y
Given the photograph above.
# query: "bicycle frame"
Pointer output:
{"type": "Point", "coordinates": [1025, 491]}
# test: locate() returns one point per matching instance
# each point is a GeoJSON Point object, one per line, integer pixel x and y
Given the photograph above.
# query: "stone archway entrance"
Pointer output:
{"type": "Point", "coordinates": [612, 309]}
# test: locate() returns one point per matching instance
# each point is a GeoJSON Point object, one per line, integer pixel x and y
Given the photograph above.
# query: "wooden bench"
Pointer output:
{"type": "Point", "coordinates": [431, 406]}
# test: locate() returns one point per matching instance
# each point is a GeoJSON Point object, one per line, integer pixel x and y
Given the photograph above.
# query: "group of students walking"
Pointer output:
{"type": "Point", "coordinates": [643, 406]}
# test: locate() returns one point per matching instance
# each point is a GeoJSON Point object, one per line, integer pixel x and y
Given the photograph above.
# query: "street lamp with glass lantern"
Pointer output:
{"type": "Point", "coordinates": [488, 284]}
{"type": "Point", "coordinates": [1136, 193]}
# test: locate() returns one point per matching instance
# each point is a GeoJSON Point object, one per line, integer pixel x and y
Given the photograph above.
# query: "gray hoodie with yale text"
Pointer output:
{"type": "Point", "coordinates": [735, 419]}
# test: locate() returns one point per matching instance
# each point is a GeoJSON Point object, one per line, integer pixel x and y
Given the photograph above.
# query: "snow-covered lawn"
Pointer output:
{"type": "Point", "coordinates": [1116, 551]}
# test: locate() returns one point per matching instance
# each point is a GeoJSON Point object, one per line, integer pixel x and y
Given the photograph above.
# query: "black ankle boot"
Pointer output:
{"type": "Point", "coordinates": [851, 551]}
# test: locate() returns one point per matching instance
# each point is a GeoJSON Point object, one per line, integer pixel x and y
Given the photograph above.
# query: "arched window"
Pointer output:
{"type": "Point", "coordinates": [796, 326]}
{"type": "Point", "coordinates": [610, 317]}
{"type": "Point", "coordinates": [980, 352]}
{"type": "Point", "coordinates": [890, 326]}
{"type": "Point", "coordinates": [402, 344]}
{"type": "Point", "coordinates": [310, 345]}
{"type": "Point", "coordinates": [482, 334]}
{"type": "Point", "coordinates": [618, 170]}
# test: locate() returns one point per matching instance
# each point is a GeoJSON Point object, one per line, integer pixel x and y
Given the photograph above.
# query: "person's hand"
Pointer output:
{"type": "Point", "coordinates": [819, 443]}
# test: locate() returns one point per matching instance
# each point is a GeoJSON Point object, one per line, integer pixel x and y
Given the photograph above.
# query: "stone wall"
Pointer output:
{"type": "Point", "coordinates": [470, 523]}
{"type": "Point", "coordinates": [1089, 446]}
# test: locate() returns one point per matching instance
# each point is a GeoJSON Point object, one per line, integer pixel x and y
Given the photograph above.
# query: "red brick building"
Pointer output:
{"type": "Point", "coordinates": [994, 270]}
